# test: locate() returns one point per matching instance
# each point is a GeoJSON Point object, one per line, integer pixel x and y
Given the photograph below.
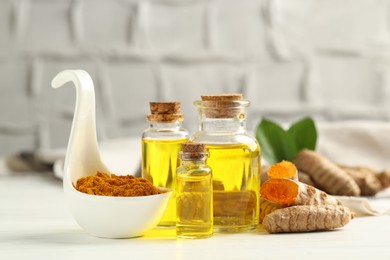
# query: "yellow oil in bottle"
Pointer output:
{"type": "Point", "coordinates": [194, 204]}
{"type": "Point", "coordinates": [236, 184]}
{"type": "Point", "coordinates": [159, 163]}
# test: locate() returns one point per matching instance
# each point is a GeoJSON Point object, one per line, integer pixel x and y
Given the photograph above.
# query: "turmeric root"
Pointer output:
{"type": "Point", "coordinates": [267, 207]}
{"type": "Point", "coordinates": [287, 192]}
{"type": "Point", "coordinates": [307, 218]}
{"type": "Point", "coordinates": [305, 178]}
{"type": "Point", "coordinates": [326, 174]}
{"type": "Point", "coordinates": [283, 170]}
{"type": "Point", "coordinates": [365, 177]}
{"type": "Point", "coordinates": [384, 178]}
{"type": "Point", "coordinates": [264, 174]}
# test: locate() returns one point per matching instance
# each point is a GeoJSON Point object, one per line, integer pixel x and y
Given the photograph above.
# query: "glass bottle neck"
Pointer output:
{"type": "Point", "coordinates": [221, 125]}
{"type": "Point", "coordinates": [192, 162]}
{"type": "Point", "coordinates": [193, 159]}
{"type": "Point", "coordinates": [222, 116]}
{"type": "Point", "coordinates": [165, 125]}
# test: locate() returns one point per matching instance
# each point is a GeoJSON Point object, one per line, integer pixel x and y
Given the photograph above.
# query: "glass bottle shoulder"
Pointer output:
{"type": "Point", "coordinates": [241, 138]}
{"type": "Point", "coordinates": [167, 134]}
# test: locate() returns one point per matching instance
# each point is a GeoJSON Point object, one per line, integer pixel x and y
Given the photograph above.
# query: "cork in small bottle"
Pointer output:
{"type": "Point", "coordinates": [165, 112]}
{"type": "Point", "coordinates": [222, 105]}
{"type": "Point", "coordinates": [193, 150]}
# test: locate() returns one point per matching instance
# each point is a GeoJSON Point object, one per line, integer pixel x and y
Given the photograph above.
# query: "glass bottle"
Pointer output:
{"type": "Point", "coordinates": [161, 144]}
{"type": "Point", "coordinates": [234, 157]}
{"type": "Point", "coordinates": [194, 193]}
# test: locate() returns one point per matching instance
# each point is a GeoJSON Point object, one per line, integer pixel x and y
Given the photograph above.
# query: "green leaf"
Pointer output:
{"type": "Point", "coordinates": [276, 143]}
{"type": "Point", "coordinates": [304, 133]}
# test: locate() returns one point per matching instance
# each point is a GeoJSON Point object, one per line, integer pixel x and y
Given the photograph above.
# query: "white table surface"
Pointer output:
{"type": "Point", "coordinates": [35, 224]}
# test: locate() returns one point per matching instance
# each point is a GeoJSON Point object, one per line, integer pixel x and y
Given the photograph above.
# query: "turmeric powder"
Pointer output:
{"type": "Point", "coordinates": [117, 186]}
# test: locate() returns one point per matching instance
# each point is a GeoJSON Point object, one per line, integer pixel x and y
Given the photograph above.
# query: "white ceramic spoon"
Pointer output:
{"type": "Point", "coordinates": [102, 216]}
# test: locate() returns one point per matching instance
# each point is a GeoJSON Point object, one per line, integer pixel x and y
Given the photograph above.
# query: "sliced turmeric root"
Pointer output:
{"type": "Point", "coordinates": [283, 170]}
{"type": "Point", "coordinates": [281, 191]}
{"type": "Point", "coordinates": [287, 192]}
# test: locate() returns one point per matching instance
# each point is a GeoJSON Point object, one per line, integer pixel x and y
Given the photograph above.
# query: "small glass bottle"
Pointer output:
{"type": "Point", "coordinates": [234, 158]}
{"type": "Point", "coordinates": [161, 144]}
{"type": "Point", "coordinates": [194, 193]}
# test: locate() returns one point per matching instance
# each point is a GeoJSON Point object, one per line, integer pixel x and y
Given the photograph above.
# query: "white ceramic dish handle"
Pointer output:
{"type": "Point", "coordinates": [82, 146]}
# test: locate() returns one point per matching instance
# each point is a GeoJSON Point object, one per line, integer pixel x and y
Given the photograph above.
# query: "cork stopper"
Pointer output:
{"type": "Point", "coordinates": [223, 105]}
{"type": "Point", "coordinates": [165, 107]}
{"type": "Point", "coordinates": [223, 97]}
{"type": "Point", "coordinates": [193, 151]}
{"type": "Point", "coordinates": [193, 148]}
{"type": "Point", "coordinates": [165, 112]}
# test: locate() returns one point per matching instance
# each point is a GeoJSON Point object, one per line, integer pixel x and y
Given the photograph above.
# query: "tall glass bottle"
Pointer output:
{"type": "Point", "coordinates": [161, 144]}
{"type": "Point", "coordinates": [194, 194]}
{"type": "Point", "coordinates": [234, 158]}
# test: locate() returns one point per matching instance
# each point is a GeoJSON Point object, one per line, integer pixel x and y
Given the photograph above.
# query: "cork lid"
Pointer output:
{"type": "Point", "coordinates": [165, 112]}
{"type": "Point", "coordinates": [223, 97]}
{"type": "Point", "coordinates": [165, 107]}
{"type": "Point", "coordinates": [193, 148]}
{"type": "Point", "coordinates": [193, 151]}
{"type": "Point", "coordinates": [224, 105]}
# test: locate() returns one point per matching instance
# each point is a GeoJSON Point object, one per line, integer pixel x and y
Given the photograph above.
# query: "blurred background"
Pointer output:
{"type": "Point", "coordinates": [290, 58]}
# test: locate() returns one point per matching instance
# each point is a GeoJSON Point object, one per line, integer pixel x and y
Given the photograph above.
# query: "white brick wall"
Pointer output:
{"type": "Point", "coordinates": [329, 59]}
{"type": "Point", "coordinates": [304, 25]}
